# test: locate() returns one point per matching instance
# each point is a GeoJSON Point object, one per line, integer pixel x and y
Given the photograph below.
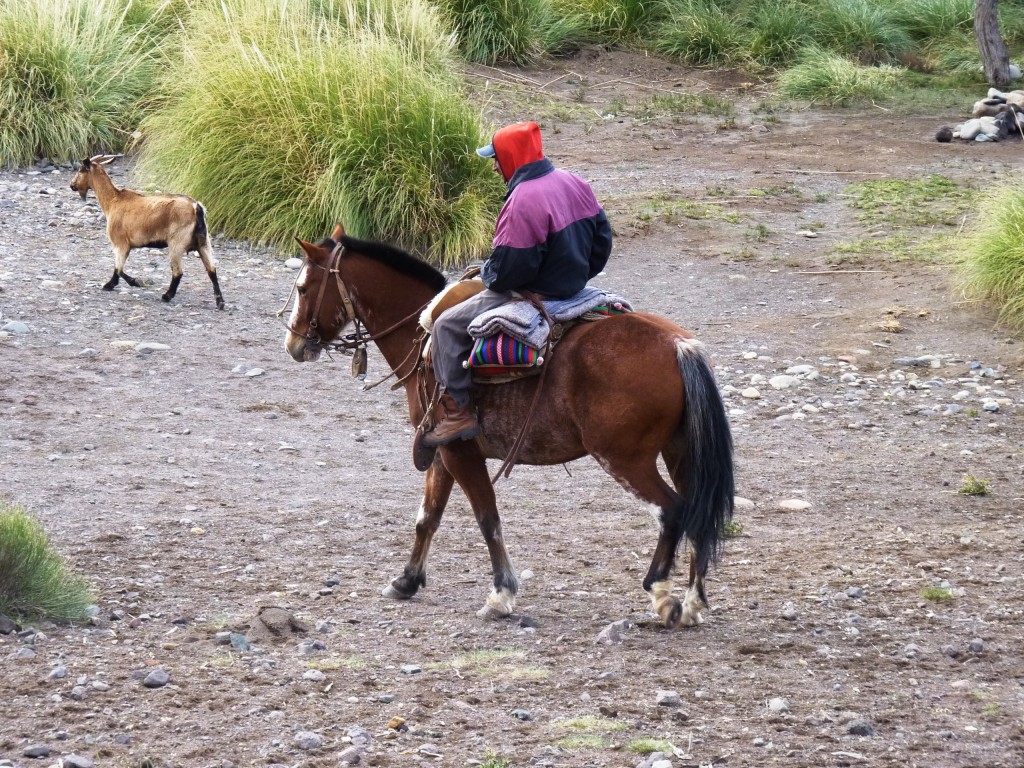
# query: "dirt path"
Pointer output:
{"type": "Point", "coordinates": [196, 483]}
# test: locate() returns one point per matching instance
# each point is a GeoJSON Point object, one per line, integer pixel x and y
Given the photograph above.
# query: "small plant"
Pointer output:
{"type": "Point", "coordinates": [647, 746]}
{"type": "Point", "coordinates": [936, 594]}
{"type": "Point", "coordinates": [35, 582]}
{"type": "Point", "coordinates": [972, 486]}
{"type": "Point", "coordinates": [493, 761]}
{"type": "Point", "coordinates": [733, 528]}
{"type": "Point", "coordinates": [826, 77]}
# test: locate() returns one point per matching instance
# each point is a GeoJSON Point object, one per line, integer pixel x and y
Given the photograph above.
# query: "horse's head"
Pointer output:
{"type": "Point", "coordinates": [320, 311]}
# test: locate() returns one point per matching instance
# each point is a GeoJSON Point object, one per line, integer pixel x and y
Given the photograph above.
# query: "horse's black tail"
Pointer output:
{"type": "Point", "coordinates": [704, 465]}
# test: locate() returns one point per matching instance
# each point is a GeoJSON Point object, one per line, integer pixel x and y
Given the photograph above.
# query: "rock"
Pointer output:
{"type": "Point", "coordinates": [7, 626]}
{"type": "Point", "coordinates": [742, 505]}
{"type": "Point", "coordinates": [76, 761]}
{"type": "Point", "coordinates": [411, 669]}
{"type": "Point", "coordinates": [350, 756]}
{"type": "Point", "coordinates": [783, 382]}
{"type": "Point", "coordinates": [308, 740]}
{"type": "Point", "coordinates": [358, 736]}
{"type": "Point", "coordinates": [789, 611]}
{"type": "Point", "coordinates": [977, 645]}
{"type": "Point", "coordinates": [274, 623]}
{"type": "Point", "coordinates": [751, 393]}
{"type": "Point", "coordinates": [15, 327]}
{"type": "Point", "coordinates": [147, 347]}
{"type": "Point", "coordinates": [58, 673]}
{"type": "Point", "coordinates": [794, 505]}
{"type": "Point", "coordinates": [398, 724]}
{"type": "Point", "coordinates": [238, 641]}
{"type": "Point", "coordinates": [668, 699]}
{"type": "Point", "coordinates": [158, 678]}
{"type": "Point", "coordinates": [860, 727]}
{"type": "Point", "coordinates": [37, 750]}
{"type": "Point", "coordinates": [314, 674]}
{"type": "Point", "coordinates": [778, 704]}
{"type": "Point", "coordinates": [610, 635]}
{"type": "Point", "coordinates": [521, 714]}
{"type": "Point", "coordinates": [294, 263]}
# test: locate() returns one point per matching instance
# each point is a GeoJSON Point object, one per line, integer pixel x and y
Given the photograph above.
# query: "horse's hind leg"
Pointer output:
{"type": "Point", "coordinates": [696, 597]}
{"type": "Point", "coordinates": [465, 462]}
{"type": "Point", "coordinates": [437, 489]}
{"type": "Point", "coordinates": [640, 477]}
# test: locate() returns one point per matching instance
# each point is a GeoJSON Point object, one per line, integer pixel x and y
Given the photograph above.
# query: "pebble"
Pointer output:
{"type": "Point", "coordinates": [308, 740]}
{"type": "Point", "coordinates": [37, 750]}
{"type": "Point", "coordinates": [350, 756]}
{"type": "Point", "coordinates": [15, 327]}
{"type": "Point", "coordinates": [76, 761]}
{"type": "Point", "coordinates": [314, 674]}
{"type": "Point", "coordinates": [789, 611]}
{"type": "Point", "coordinates": [411, 669]}
{"type": "Point", "coordinates": [794, 505]}
{"type": "Point", "coordinates": [294, 263]}
{"type": "Point", "coordinates": [860, 727]}
{"type": "Point", "coordinates": [668, 699]}
{"type": "Point", "coordinates": [977, 645]}
{"type": "Point", "coordinates": [158, 678]}
{"type": "Point", "coordinates": [521, 714]}
{"type": "Point", "coordinates": [778, 704]}
{"type": "Point", "coordinates": [58, 673]}
{"type": "Point", "coordinates": [751, 393]}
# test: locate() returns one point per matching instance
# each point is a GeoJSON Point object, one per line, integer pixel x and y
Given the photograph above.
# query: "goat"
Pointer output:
{"type": "Point", "coordinates": [135, 220]}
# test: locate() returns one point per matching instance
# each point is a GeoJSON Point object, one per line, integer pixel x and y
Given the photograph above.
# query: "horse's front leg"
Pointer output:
{"type": "Point", "coordinates": [467, 464]}
{"type": "Point", "coordinates": [437, 489]}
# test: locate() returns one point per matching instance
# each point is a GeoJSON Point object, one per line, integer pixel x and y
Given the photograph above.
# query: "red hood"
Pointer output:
{"type": "Point", "coordinates": [516, 145]}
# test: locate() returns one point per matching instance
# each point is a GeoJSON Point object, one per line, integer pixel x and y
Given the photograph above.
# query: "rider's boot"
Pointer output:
{"type": "Point", "coordinates": [456, 422]}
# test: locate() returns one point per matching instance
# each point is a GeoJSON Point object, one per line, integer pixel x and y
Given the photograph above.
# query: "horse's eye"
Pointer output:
{"type": "Point", "coordinates": [302, 290]}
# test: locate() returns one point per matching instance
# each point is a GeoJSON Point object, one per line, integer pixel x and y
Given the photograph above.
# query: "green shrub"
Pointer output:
{"type": "Point", "coordinates": [500, 31]}
{"type": "Point", "coordinates": [827, 78]}
{"type": "Point", "coordinates": [284, 124]}
{"type": "Point", "coordinates": [71, 75]}
{"type": "Point", "coordinates": [34, 581]}
{"type": "Point", "coordinates": [935, 19]}
{"type": "Point", "coordinates": [700, 32]}
{"type": "Point", "coordinates": [612, 22]}
{"type": "Point", "coordinates": [992, 252]}
{"type": "Point", "coordinates": [860, 29]}
{"type": "Point", "coordinates": [779, 30]}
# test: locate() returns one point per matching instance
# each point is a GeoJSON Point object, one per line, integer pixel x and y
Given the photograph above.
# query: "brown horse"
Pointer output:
{"type": "Point", "coordinates": [623, 390]}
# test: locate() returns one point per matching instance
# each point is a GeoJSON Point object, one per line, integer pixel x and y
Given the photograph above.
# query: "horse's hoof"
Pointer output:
{"type": "Point", "coordinates": [392, 593]}
{"type": "Point", "coordinates": [220, 303]}
{"type": "Point", "coordinates": [671, 613]}
{"type": "Point", "coordinates": [490, 612]}
{"type": "Point", "coordinates": [166, 298]}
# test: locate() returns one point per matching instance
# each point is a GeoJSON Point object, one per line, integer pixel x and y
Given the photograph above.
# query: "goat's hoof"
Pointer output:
{"type": "Point", "coordinates": [167, 298]}
{"type": "Point", "coordinates": [392, 593]}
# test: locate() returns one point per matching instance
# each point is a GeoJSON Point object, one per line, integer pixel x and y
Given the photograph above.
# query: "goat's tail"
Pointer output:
{"type": "Point", "coordinates": [199, 234]}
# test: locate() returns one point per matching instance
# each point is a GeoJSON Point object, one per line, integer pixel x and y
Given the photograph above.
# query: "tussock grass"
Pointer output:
{"type": "Point", "coordinates": [285, 122]}
{"type": "Point", "coordinates": [700, 32]}
{"type": "Point", "coordinates": [35, 583]}
{"type": "Point", "coordinates": [613, 22]}
{"type": "Point", "coordinates": [501, 31]}
{"type": "Point", "coordinates": [973, 486]}
{"type": "Point", "coordinates": [828, 78]}
{"type": "Point", "coordinates": [992, 252]}
{"type": "Point", "coordinates": [779, 31]}
{"type": "Point", "coordinates": [864, 30]}
{"type": "Point", "coordinates": [71, 75]}
{"type": "Point", "coordinates": [934, 19]}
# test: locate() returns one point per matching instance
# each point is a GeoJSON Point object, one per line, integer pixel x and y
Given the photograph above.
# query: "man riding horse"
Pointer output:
{"type": "Point", "coordinates": [552, 236]}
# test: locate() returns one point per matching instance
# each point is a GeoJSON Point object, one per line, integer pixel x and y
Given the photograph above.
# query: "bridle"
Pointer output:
{"type": "Point", "coordinates": [357, 340]}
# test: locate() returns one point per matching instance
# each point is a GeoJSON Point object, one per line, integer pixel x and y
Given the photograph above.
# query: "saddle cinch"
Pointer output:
{"type": "Point", "coordinates": [511, 341]}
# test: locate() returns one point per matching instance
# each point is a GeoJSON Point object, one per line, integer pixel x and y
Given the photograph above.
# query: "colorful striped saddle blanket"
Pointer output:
{"type": "Point", "coordinates": [509, 339]}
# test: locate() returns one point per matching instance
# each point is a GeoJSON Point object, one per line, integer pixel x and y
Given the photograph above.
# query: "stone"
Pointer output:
{"type": "Point", "coordinates": [308, 740]}
{"type": "Point", "coordinates": [668, 699]}
{"type": "Point", "coordinates": [158, 678]}
{"type": "Point", "coordinates": [76, 761]}
{"type": "Point", "coordinates": [860, 727]}
{"type": "Point", "coordinates": [36, 750]}
{"type": "Point", "coordinates": [794, 505]}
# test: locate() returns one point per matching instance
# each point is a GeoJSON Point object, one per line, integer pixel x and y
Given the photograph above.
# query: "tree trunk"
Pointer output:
{"type": "Point", "coordinates": [994, 55]}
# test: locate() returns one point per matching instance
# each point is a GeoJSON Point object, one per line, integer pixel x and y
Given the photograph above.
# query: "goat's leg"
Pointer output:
{"type": "Point", "coordinates": [120, 258]}
{"type": "Point", "coordinates": [114, 280]}
{"type": "Point", "coordinates": [206, 254]}
{"type": "Point", "coordinates": [176, 273]}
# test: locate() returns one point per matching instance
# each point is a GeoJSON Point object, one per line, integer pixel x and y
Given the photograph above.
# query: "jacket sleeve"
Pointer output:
{"type": "Point", "coordinates": [508, 268]}
{"type": "Point", "coordinates": [601, 248]}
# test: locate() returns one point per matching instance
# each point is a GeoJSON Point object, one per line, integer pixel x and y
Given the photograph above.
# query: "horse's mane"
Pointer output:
{"type": "Point", "coordinates": [396, 259]}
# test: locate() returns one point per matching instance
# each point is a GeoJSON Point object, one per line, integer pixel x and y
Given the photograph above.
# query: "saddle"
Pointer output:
{"type": "Point", "coordinates": [511, 340]}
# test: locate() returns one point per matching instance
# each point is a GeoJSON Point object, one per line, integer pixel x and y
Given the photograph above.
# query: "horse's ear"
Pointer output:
{"type": "Point", "coordinates": [338, 232]}
{"type": "Point", "coordinates": [310, 249]}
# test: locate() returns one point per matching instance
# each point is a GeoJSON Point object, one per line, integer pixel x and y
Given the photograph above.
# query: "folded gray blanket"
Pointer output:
{"type": "Point", "coordinates": [521, 320]}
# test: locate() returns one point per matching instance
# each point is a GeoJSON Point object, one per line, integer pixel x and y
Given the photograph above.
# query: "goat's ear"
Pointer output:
{"type": "Point", "coordinates": [338, 232]}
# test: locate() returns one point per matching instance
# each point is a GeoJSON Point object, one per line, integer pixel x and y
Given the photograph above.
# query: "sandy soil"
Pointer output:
{"type": "Point", "coordinates": [195, 484]}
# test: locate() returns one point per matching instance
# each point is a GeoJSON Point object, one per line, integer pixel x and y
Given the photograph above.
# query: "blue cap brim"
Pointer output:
{"type": "Point", "coordinates": [487, 151]}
